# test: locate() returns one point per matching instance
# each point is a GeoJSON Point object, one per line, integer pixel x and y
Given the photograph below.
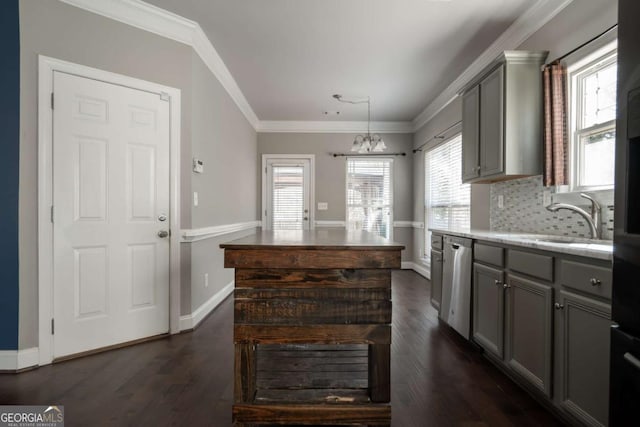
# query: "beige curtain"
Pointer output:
{"type": "Point", "coordinates": [556, 141]}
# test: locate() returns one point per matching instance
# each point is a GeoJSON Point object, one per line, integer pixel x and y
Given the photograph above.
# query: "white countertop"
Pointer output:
{"type": "Point", "coordinates": [600, 249]}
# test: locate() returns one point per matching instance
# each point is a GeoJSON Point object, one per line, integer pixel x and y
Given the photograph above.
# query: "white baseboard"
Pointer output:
{"type": "Point", "coordinates": [190, 321]}
{"type": "Point", "coordinates": [417, 267]}
{"type": "Point", "coordinates": [14, 360]}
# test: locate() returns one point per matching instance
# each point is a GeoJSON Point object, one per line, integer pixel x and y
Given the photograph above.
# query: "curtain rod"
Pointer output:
{"type": "Point", "coordinates": [366, 154]}
{"type": "Point", "coordinates": [585, 43]}
{"type": "Point", "coordinates": [439, 135]}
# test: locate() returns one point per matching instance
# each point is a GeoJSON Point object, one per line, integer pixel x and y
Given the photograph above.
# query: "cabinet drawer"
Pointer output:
{"type": "Point", "coordinates": [436, 242]}
{"type": "Point", "coordinates": [586, 278]}
{"type": "Point", "coordinates": [535, 265]}
{"type": "Point", "coordinates": [488, 254]}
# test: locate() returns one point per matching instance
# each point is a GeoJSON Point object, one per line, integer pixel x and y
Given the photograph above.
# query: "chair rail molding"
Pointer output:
{"type": "Point", "coordinates": [196, 234]}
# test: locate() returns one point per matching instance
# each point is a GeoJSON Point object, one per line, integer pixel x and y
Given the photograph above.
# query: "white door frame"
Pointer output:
{"type": "Point", "coordinates": [46, 67]}
{"type": "Point", "coordinates": [312, 184]}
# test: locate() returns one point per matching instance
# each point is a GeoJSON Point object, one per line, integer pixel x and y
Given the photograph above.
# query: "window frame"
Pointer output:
{"type": "Point", "coordinates": [427, 235]}
{"type": "Point", "coordinates": [391, 185]}
{"type": "Point", "coordinates": [577, 72]}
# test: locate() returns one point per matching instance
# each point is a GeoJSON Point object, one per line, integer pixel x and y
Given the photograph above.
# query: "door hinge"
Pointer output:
{"type": "Point", "coordinates": [164, 96]}
{"type": "Point", "coordinates": [52, 100]}
{"type": "Point", "coordinates": [52, 214]}
{"type": "Point", "coordinates": [53, 329]}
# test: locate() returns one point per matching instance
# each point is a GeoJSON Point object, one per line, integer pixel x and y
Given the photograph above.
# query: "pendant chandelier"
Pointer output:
{"type": "Point", "coordinates": [365, 143]}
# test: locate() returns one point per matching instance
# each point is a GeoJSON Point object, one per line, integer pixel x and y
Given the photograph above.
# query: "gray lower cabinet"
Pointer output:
{"type": "Point", "coordinates": [583, 327]}
{"type": "Point", "coordinates": [529, 331]}
{"type": "Point", "coordinates": [488, 308]}
{"type": "Point", "coordinates": [436, 279]}
{"type": "Point", "coordinates": [545, 318]}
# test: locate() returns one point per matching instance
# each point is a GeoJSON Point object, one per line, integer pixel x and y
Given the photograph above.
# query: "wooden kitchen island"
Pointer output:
{"type": "Point", "coordinates": [312, 327]}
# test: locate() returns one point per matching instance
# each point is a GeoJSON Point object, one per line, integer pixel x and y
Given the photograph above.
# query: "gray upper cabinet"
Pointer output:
{"type": "Point", "coordinates": [502, 119]}
{"type": "Point", "coordinates": [492, 119]}
{"type": "Point", "coordinates": [583, 327]}
{"type": "Point", "coordinates": [470, 135]}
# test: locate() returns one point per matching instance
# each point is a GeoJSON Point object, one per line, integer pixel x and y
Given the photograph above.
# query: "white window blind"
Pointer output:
{"type": "Point", "coordinates": [447, 199]}
{"type": "Point", "coordinates": [288, 197]}
{"type": "Point", "coordinates": [369, 195]}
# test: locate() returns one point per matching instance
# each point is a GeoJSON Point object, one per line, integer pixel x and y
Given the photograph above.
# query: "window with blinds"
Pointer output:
{"type": "Point", "coordinates": [447, 199]}
{"type": "Point", "coordinates": [369, 195]}
{"type": "Point", "coordinates": [287, 197]}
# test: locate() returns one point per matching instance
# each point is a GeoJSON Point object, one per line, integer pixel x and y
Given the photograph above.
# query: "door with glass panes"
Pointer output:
{"type": "Point", "coordinates": [287, 194]}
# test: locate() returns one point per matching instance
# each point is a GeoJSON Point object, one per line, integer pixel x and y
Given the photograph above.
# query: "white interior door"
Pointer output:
{"type": "Point", "coordinates": [288, 194]}
{"type": "Point", "coordinates": [111, 200]}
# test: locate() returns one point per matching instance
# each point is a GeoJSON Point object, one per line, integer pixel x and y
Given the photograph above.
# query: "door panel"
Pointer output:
{"type": "Point", "coordinates": [110, 185]}
{"type": "Point", "coordinates": [471, 134]}
{"type": "Point", "coordinates": [492, 123]}
{"type": "Point", "coordinates": [584, 326]}
{"type": "Point", "coordinates": [488, 308]}
{"type": "Point", "coordinates": [529, 316]}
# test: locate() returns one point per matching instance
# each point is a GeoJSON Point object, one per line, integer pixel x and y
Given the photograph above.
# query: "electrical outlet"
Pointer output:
{"type": "Point", "coordinates": [195, 198]}
{"type": "Point", "coordinates": [501, 201]}
{"type": "Point", "coordinates": [546, 198]}
{"type": "Point", "coordinates": [206, 280]}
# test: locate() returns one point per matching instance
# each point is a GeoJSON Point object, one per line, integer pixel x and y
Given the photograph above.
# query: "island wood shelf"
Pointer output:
{"type": "Point", "coordinates": [312, 327]}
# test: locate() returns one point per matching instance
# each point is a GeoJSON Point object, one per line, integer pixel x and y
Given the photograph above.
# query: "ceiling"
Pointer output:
{"type": "Point", "coordinates": [289, 56]}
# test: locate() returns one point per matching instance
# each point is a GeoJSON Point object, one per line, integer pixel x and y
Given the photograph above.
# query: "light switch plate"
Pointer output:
{"type": "Point", "coordinates": [323, 206]}
{"type": "Point", "coordinates": [195, 198]}
{"type": "Point", "coordinates": [501, 201]}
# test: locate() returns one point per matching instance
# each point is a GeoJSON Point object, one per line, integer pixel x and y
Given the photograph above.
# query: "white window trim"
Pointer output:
{"type": "Point", "coordinates": [587, 59]}
{"type": "Point", "coordinates": [426, 258]}
{"type": "Point", "coordinates": [346, 189]}
{"type": "Point", "coordinates": [312, 184]}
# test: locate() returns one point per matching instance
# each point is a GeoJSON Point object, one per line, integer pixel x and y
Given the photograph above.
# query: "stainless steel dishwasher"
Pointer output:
{"type": "Point", "coordinates": [456, 284]}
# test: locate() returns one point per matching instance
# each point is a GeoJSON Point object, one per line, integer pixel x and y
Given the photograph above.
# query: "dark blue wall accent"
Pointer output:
{"type": "Point", "coordinates": [9, 168]}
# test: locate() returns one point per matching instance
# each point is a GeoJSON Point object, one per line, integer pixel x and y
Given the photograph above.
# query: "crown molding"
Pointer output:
{"type": "Point", "coordinates": [271, 126]}
{"type": "Point", "coordinates": [523, 27]}
{"type": "Point", "coordinates": [169, 25]}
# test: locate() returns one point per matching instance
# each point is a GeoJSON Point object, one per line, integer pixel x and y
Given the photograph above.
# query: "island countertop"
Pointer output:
{"type": "Point", "coordinates": [313, 239]}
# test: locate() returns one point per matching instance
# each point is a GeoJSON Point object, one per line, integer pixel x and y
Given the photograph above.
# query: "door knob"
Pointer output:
{"type": "Point", "coordinates": [163, 233]}
{"type": "Point", "coordinates": [306, 218]}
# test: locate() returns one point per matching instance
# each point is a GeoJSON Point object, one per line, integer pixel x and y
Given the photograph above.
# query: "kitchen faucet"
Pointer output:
{"type": "Point", "coordinates": [593, 218]}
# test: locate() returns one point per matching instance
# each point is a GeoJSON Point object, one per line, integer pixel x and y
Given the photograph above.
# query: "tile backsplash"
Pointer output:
{"type": "Point", "coordinates": [523, 210]}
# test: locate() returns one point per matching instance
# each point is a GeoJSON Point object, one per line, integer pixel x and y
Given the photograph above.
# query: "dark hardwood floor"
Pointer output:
{"type": "Point", "coordinates": [438, 379]}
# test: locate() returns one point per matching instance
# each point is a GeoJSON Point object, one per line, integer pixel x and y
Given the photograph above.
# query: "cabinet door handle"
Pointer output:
{"type": "Point", "coordinates": [506, 286]}
{"type": "Point", "coordinates": [498, 283]}
{"type": "Point", "coordinates": [595, 282]}
{"type": "Point", "coordinates": [558, 306]}
{"type": "Point", "coordinates": [632, 360]}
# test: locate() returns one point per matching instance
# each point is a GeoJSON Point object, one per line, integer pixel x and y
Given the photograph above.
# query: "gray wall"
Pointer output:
{"type": "Point", "coordinates": [223, 139]}
{"type": "Point", "coordinates": [576, 24]}
{"type": "Point", "coordinates": [61, 31]}
{"type": "Point", "coordinates": [330, 176]}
